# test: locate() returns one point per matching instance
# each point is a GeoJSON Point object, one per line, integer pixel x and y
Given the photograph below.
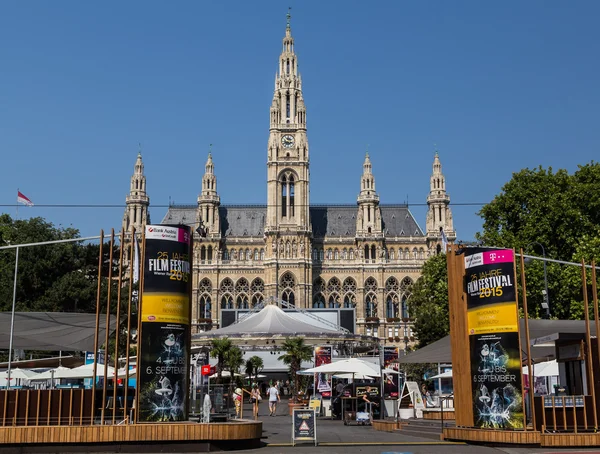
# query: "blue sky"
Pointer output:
{"type": "Point", "coordinates": [498, 86]}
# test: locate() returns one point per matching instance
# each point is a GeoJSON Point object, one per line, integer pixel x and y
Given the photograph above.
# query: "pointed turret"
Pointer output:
{"type": "Point", "coordinates": [439, 214]}
{"type": "Point", "coordinates": [137, 202]}
{"type": "Point", "coordinates": [368, 220]}
{"type": "Point", "coordinates": [209, 200]}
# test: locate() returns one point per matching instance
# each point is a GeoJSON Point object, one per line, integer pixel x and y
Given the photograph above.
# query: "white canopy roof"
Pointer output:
{"type": "Point", "coordinates": [272, 322]}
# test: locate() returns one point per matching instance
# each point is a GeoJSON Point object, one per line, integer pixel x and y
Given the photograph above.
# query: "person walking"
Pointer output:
{"type": "Point", "coordinates": [273, 394]}
{"type": "Point", "coordinates": [255, 398]}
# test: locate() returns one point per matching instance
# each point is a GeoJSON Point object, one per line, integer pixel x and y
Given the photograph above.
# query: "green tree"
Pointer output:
{"type": "Point", "coordinates": [254, 366]}
{"type": "Point", "coordinates": [219, 349]}
{"type": "Point", "coordinates": [296, 351]}
{"type": "Point", "coordinates": [428, 303]}
{"type": "Point", "coordinates": [561, 212]}
{"type": "Point", "coordinates": [233, 360]}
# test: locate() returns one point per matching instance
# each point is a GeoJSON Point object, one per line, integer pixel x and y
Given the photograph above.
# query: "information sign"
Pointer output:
{"type": "Point", "coordinates": [304, 425]}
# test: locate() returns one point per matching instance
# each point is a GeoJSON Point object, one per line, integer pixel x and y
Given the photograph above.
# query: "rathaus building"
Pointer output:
{"type": "Point", "coordinates": [364, 255]}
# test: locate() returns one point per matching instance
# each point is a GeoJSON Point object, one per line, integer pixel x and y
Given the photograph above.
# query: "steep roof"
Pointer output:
{"type": "Point", "coordinates": [327, 220]}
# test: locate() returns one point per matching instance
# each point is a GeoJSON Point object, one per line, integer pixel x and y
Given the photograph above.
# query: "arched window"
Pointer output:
{"type": "Point", "coordinates": [329, 254]}
{"type": "Point", "coordinates": [392, 255]}
{"type": "Point", "coordinates": [284, 199]}
{"type": "Point", "coordinates": [371, 305]}
{"type": "Point", "coordinates": [334, 301]}
{"type": "Point", "coordinates": [203, 253]}
{"type": "Point", "coordinates": [204, 307]}
{"type": "Point", "coordinates": [351, 254]}
{"type": "Point", "coordinates": [345, 254]}
{"type": "Point", "coordinates": [315, 254]}
{"type": "Point", "coordinates": [391, 306]}
{"type": "Point", "coordinates": [291, 195]}
{"type": "Point", "coordinates": [262, 254]}
{"type": "Point", "coordinates": [373, 253]}
{"type": "Point", "coordinates": [349, 300]}
{"type": "Point", "coordinates": [242, 301]}
{"type": "Point", "coordinates": [288, 283]}
{"type": "Point", "coordinates": [225, 254]}
{"type": "Point", "coordinates": [319, 301]}
{"type": "Point", "coordinates": [227, 301]}
{"type": "Point", "coordinates": [321, 255]}
{"type": "Point", "coordinates": [256, 256]}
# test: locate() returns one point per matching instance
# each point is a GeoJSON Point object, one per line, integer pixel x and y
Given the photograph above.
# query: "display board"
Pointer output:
{"type": "Point", "coordinates": [493, 326]}
{"type": "Point", "coordinates": [165, 321]}
{"type": "Point", "coordinates": [304, 425]}
{"type": "Point", "coordinates": [323, 355]}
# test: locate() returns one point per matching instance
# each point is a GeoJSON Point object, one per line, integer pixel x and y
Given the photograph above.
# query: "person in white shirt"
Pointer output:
{"type": "Point", "coordinates": [273, 394]}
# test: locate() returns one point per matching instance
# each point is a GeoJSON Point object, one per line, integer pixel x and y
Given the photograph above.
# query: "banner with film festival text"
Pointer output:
{"type": "Point", "coordinates": [493, 325]}
{"type": "Point", "coordinates": [165, 307]}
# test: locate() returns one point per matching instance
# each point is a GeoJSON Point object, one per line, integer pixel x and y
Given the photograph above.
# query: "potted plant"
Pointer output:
{"type": "Point", "coordinates": [296, 351]}
{"type": "Point", "coordinates": [373, 320]}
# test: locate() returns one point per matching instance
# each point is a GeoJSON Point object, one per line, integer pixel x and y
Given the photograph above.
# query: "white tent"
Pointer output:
{"type": "Point", "coordinates": [50, 374]}
{"type": "Point", "coordinates": [352, 366]}
{"type": "Point", "coordinates": [545, 369]}
{"type": "Point", "coordinates": [22, 374]}
{"type": "Point", "coordinates": [85, 371]}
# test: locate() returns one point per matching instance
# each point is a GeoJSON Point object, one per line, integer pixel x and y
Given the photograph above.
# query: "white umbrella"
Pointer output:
{"type": "Point", "coordinates": [85, 371]}
{"type": "Point", "coordinates": [225, 373]}
{"type": "Point", "coordinates": [23, 374]}
{"type": "Point", "coordinates": [447, 374]}
{"type": "Point", "coordinates": [352, 366]}
{"type": "Point", "coordinates": [354, 376]}
{"type": "Point", "coordinates": [50, 374]}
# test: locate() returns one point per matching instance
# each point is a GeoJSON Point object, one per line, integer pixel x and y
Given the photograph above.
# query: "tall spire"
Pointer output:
{"type": "Point", "coordinates": [209, 200]}
{"type": "Point", "coordinates": [439, 214]}
{"type": "Point", "coordinates": [137, 202]}
{"type": "Point", "coordinates": [368, 221]}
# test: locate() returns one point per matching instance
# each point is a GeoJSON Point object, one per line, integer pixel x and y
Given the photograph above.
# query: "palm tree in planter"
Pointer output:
{"type": "Point", "coordinates": [219, 349]}
{"type": "Point", "coordinates": [296, 351]}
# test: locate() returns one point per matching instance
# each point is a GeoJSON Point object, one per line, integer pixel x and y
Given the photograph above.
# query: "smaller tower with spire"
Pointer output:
{"type": "Point", "coordinates": [137, 202]}
{"type": "Point", "coordinates": [207, 215]}
{"type": "Point", "coordinates": [368, 220]}
{"type": "Point", "coordinates": [439, 214]}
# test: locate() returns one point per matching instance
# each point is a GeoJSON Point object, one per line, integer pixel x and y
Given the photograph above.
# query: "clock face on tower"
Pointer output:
{"type": "Point", "coordinates": [287, 141]}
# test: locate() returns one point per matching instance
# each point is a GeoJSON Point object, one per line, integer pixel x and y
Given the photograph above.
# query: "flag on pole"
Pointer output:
{"type": "Point", "coordinates": [22, 198]}
{"type": "Point", "coordinates": [444, 239]}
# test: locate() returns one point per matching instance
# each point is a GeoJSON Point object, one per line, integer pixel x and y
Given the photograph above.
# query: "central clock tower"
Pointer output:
{"type": "Point", "coordinates": [287, 225]}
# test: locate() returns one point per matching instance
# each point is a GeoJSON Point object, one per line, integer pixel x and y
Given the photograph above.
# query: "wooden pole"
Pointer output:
{"type": "Point", "coordinates": [128, 345]}
{"type": "Point", "coordinates": [595, 301]}
{"type": "Point", "coordinates": [107, 334]}
{"type": "Point", "coordinates": [118, 326]}
{"type": "Point", "coordinates": [588, 340]}
{"type": "Point", "coordinates": [529, 367]}
{"type": "Point", "coordinates": [139, 329]}
{"type": "Point", "coordinates": [97, 329]}
{"type": "Point", "coordinates": [459, 338]}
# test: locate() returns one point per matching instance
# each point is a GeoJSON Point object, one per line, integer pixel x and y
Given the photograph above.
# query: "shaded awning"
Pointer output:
{"type": "Point", "coordinates": [440, 351]}
{"type": "Point", "coordinates": [52, 331]}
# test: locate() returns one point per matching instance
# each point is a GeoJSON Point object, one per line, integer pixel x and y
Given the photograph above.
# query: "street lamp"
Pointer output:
{"type": "Point", "coordinates": [546, 301]}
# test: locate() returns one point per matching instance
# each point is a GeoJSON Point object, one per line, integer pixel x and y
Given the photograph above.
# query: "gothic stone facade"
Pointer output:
{"type": "Point", "coordinates": [364, 255]}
